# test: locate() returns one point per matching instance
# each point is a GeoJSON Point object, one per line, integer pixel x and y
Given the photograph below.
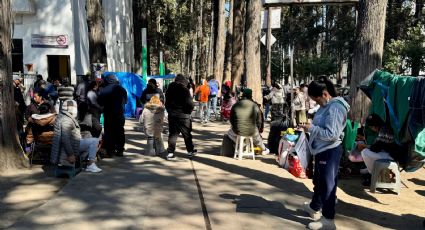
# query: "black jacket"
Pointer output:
{"type": "Point", "coordinates": [112, 98]}
{"type": "Point", "coordinates": [149, 92]}
{"type": "Point", "coordinates": [178, 101]}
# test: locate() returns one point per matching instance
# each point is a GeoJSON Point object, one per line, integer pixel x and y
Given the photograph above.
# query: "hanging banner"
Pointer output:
{"type": "Point", "coordinates": [56, 41]}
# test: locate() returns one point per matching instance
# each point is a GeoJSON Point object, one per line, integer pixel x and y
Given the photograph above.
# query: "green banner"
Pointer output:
{"type": "Point", "coordinates": [144, 62]}
{"type": "Point", "coordinates": [161, 69]}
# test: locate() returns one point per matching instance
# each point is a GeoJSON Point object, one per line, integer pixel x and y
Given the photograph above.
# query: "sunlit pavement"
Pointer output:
{"type": "Point", "coordinates": [211, 192]}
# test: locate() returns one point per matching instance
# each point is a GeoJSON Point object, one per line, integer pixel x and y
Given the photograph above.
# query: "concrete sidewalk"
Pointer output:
{"type": "Point", "coordinates": [210, 192]}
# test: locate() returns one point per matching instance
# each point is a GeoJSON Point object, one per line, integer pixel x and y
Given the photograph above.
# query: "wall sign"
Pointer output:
{"type": "Point", "coordinates": [42, 41]}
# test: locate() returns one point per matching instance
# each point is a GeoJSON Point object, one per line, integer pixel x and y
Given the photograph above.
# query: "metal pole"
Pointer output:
{"type": "Point", "coordinates": [144, 54]}
{"type": "Point", "coordinates": [269, 47]}
{"type": "Point", "coordinates": [291, 53]}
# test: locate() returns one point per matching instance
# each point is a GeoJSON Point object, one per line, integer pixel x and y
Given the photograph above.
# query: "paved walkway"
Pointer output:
{"type": "Point", "coordinates": [210, 192]}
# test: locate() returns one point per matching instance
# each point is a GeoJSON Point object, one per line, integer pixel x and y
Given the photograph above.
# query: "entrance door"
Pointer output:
{"type": "Point", "coordinates": [59, 67]}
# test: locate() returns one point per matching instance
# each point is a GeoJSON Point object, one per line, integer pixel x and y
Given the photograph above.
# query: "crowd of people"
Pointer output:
{"type": "Point", "coordinates": [69, 121]}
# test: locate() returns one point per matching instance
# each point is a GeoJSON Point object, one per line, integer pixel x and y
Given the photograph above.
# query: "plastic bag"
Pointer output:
{"type": "Point", "coordinates": [295, 167]}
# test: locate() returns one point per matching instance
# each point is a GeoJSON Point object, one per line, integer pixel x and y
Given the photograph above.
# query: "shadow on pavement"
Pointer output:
{"type": "Point", "coordinates": [417, 181]}
{"type": "Point", "coordinates": [247, 203]}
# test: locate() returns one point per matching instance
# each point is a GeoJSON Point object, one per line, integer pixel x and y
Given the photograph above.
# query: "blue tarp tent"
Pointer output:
{"type": "Point", "coordinates": [134, 85]}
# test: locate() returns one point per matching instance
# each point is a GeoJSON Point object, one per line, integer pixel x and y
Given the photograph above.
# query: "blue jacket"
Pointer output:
{"type": "Point", "coordinates": [326, 132]}
{"type": "Point", "coordinates": [214, 87]}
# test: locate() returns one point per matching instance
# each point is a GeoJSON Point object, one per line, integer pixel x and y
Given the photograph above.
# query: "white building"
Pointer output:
{"type": "Point", "coordinates": [50, 37]}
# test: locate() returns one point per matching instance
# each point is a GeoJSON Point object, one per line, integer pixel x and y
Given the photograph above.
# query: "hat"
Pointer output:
{"type": "Point", "coordinates": [16, 77]}
{"type": "Point", "coordinates": [247, 93]}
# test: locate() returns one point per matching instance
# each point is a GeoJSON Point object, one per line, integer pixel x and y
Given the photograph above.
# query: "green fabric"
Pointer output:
{"type": "Point", "coordinates": [420, 143]}
{"type": "Point", "coordinates": [350, 134]}
{"type": "Point", "coordinates": [399, 92]}
{"type": "Point", "coordinates": [370, 135]}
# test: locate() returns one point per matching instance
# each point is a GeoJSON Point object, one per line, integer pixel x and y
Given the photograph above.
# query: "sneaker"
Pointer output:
{"type": "Point", "coordinates": [93, 168]}
{"type": "Point", "coordinates": [322, 224]}
{"type": "Point", "coordinates": [315, 215]}
{"type": "Point", "coordinates": [192, 154]}
{"type": "Point", "coordinates": [265, 152]}
{"type": "Point", "coordinates": [170, 156]}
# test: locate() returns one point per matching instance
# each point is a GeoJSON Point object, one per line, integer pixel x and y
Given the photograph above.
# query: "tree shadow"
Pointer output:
{"type": "Point", "coordinates": [417, 181]}
{"type": "Point", "coordinates": [291, 187]}
{"type": "Point", "coordinates": [248, 203]}
{"type": "Point", "coordinates": [420, 192]}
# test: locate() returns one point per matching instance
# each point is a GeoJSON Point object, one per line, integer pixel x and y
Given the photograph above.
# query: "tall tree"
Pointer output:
{"type": "Point", "coordinates": [140, 20]}
{"type": "Point", "coordinates": [229, 44]}
{"type": "Point", "coordinates": [367, 52]}
{"type": "Point", "coordinates": [220, 43]}
{"type": "Point", "coordinates": [238, 61]}
{"type": "Point", "coordinates": [11, 155]}
{"type": "Point", "coordinates": [252, 49]}
{"type": "Point", "coordinates": [97, 41]}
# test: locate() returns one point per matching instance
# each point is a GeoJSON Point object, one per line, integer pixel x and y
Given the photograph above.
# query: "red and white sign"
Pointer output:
{"type": "Point", "coordinates": [42, 41]}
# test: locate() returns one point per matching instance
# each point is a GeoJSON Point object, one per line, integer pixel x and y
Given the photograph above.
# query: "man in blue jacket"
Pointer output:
{"type": "Point", "coordinates": [212, 99]}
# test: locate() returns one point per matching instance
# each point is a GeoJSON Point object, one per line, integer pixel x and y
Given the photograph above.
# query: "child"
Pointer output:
{"type": "Point", "coordinates": [152, 119]}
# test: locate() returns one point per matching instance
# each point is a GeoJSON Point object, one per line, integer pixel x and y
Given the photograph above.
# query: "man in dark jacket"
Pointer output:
{"type": "Point", "coordinates": [113, 97]}
{"type": "Point", "coordinates": [151, 90]}
{"type": "Point", "coordinates": [247, 120]}
{"type": "Point", "coordinates": [179, 105]}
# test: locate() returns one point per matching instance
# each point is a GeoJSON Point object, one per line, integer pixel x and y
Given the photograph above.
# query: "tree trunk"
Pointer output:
{"type": "Point", "coordinates": [194, 46]}
{"type": "Point", "coordinates": [367, 52]}
{"type": "Point", "coordinates": [97, 41]}
{"type": "Point", "coordinates": [252, 49]}
{"type": "Point", "coordinates": [203, 59]}
{"type": "Point", "coordinates": [140, 20]}
{"type": "Point", "coordinates": [220, 43]}
{"type": "Point", "coordinates": [238, 61]}
{"type": "Point", "coordinates": [11, 155]}
{"type": "Point", "coordinates": [228, 64]}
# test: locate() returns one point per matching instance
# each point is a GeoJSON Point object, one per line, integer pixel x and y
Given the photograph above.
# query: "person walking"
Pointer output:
{"type": "Point", "coordinates": [326, 133]}
{"type": "Point", "coordinates": [179, 105]}
{"type": "Point", "coordinates": [212, 100]}
{"type": "Point", "coordinates": [113, 97]}
{"type": "Point", "coordinates": [204, 92]}
{"type": "Point", "coordinates": [152, 119]}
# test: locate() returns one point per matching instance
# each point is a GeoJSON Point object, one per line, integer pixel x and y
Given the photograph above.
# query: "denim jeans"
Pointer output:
{"type": "Point", "coordinates": [89, 146]}
{"type": "Point", "coordinates": [266, 110]}
{"type": "Point", "coordinates": [203, 111]}
{"type": "Point", "coordinates": [325, 180]}
{"type": "Point", "coordinates": [212, 105]}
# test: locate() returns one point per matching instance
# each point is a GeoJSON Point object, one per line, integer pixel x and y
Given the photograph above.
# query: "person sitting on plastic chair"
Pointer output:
{"type": "Point", "coordinates": [247, 120]}
{"type": "Point", "coordinates": [384, 146]}
{"type": "Point", "coordinates": [68, 146]}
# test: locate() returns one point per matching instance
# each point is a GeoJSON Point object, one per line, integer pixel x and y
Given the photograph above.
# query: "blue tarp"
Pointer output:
{"type": "Point", "coordinates": [168, 76]}
{"type": "Point", "coordinates": [134, 85]}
